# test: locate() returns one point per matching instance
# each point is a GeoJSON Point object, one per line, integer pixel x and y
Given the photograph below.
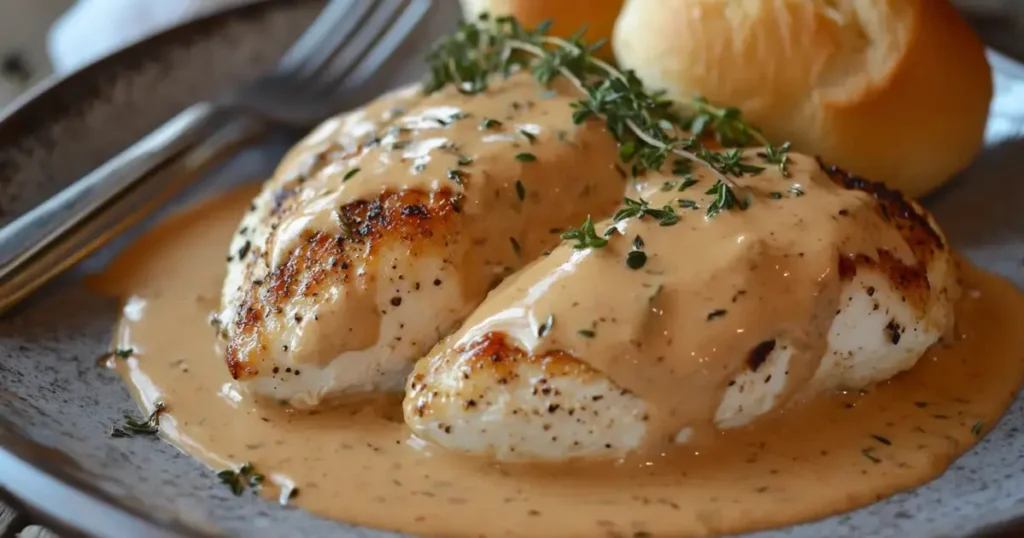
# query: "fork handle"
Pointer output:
{"type": "Point", "coordinates": [60, 232]}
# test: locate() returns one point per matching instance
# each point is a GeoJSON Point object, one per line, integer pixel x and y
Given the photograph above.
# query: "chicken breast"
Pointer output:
{"type": "Point", "coordinates": [382, 230]}
{"type": "Point", "coordinates": [686, 323]}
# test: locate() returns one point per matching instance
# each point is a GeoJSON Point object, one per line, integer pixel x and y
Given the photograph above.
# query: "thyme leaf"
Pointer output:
{"type": "Point", "coordinates": [238, 480]}
{"type": "Point", "coordinates": [645, 124]}
{"type": "Point", "coordinates": [777, 155]}
{"type": "Point", "coordinates": [585, 236]}
{"type": "Point", "coordinates": [725, 199]}
{"type": "Point", "coordinates": [132, 427]}
{"type": "Point", "coordinates": [350, 174]}
{"type": "Point", "coordinates": [526, 157]}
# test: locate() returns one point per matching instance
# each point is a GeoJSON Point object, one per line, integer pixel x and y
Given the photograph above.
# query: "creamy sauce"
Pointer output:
{"type": "Point", "coordinates": [417, 199]}
{"type": "Point", "coordinates": [359, 463]}
{"type": "Point", "coordinates": [711, 291]}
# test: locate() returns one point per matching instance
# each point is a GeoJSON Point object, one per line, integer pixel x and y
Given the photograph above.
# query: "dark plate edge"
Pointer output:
{"type": "Point", "coordinates": [67, 503]}
{"type": "Point", "coordinates": [28, 112]}
{"type": "Point", "coordinates": [84, 510]}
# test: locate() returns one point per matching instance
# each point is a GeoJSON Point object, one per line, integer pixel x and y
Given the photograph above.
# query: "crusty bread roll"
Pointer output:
{"type": "Point", "coordinates": [894, 90]}
{"type": "Point", "coordinates": [568, 16]}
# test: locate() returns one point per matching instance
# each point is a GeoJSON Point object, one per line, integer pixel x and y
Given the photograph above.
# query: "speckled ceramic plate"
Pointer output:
{"type": "Point", "coordinates": [56, 405]}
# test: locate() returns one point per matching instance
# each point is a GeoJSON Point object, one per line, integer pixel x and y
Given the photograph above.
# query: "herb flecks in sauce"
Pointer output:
{"type": "Point", "coordinates": [367, 450]}
{"type": "Point", "coordinates": [777, 155]}
{"type": "Point", "coordinates": [526, 157]}
{"type": "Point", "coordinates": [132, 427]}
{"type": "Point", "coordinates": [334, 449]}
{"type": "Point", "coordinates": [585, 236]}
{"type": "Point", "coordinates": [350, 174]}
{"type": "Point", "coordinates": [238, 480]}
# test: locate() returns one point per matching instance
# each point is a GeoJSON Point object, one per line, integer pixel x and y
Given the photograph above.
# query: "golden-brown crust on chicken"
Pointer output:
{"type": "Point", "coordinates": [417, 220]}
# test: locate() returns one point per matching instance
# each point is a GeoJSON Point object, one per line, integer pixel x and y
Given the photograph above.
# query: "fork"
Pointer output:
{"type": "Point", "coordinates": [327, 69]}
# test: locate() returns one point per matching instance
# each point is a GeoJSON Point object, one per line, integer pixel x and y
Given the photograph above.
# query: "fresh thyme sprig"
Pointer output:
{"type": "Point", "coordinates": [639, 208]}
{"type": "Point", "coordinates": [131, 426]}
{"type": "Point", "coordinates": [725, 124]}
{"type": "Point", "coordinates": [585, 236]}
{"type": "Point", "coordinates": [645, 124]}
{"type": "Point", "coordinates": [725, 199]}
{"type": "Point", "coordinates": [238, 480]}
{"type": "Point", "coordinates": [777, 155]}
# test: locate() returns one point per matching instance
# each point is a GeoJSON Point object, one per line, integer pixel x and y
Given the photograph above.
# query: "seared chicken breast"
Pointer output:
{"type": "Point", "coordinates": [383, 229]}
{"type": "Point", "coordinates": [707, 308]}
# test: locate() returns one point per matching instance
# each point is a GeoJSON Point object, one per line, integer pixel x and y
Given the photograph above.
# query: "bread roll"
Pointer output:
{"type": "Point", "coordinates": [894, 90]}
{"type": "Point", "coordinates": [568, 16]}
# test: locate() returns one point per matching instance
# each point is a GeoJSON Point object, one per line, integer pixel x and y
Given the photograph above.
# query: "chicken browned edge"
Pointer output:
{"type": "Point", "coordinates": [915, 226]}
{"type": "Point", "coordinates": [419, 221]}
{"type": "Point", "coordinates": [491, 353]}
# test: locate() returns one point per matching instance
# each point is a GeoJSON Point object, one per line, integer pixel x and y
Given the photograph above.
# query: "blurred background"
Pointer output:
{"type": "Point", "coordinates": [40, 37]}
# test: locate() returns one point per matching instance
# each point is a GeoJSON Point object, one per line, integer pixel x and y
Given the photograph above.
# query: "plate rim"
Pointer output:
{"type": "Point", "coordinates": [85, 509]}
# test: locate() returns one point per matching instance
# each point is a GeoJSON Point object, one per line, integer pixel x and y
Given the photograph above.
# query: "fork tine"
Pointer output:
{"type": "Point", "coordinates": [331, 29]}
{"type": "Point", "coordinates": [364, 40]}
{"type": "Point", "coordinates": [384, 45]}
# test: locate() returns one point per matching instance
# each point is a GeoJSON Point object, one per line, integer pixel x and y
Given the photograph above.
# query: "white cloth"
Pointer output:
{"type": "Point", "coordinates": [92, 29]}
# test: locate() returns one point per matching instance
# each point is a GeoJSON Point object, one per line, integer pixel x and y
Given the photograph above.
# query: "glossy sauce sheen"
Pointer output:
{"type": "Point", "coordinates": [414, 202]}
{"type": "Point", "coordinates": [678, 329]}
{"type": "Point", "coordinates": [359, 463]}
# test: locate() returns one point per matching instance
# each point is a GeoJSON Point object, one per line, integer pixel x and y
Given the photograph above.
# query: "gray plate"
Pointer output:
{"type": "Point", "coordinates": [56, 405]}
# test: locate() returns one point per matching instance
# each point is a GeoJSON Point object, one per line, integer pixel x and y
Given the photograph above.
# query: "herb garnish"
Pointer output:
{"type": "Point", "coordinates": [777, 156]}
{"type": "Point", "coordinates": [636, 258]}
{"type": "Point", "coordinates": [795, 190]}
{"type": "Point", "coordinates": [526, 157]}
{"type": "Point", "coordinates": [688, 204]}
{"type": "Point", "coordinates": [880, 439]}
{"type": "Point", "coordinates": [715, 314]}
{"type": "Point", "coordinates": [131, 427]}
{"type": "Point", "coordinates": [586, 333]}
{"type": "Point", "coordinates": [349, 174]}
{"type": "Point", "coordinates": [686, 184]}
{"type": "Point", "coordinates": [645, 124]}
{"type": "Point", "coordinates": [528, 135]}
{"type": "Point", "coordinates": [725, 198]}
{"type": "Point", "coordinates": [488, 123]}
{"type": "Point", "coordinates": [465, 161]}
{"type": "Point", "coordinates": [682, 167]}
{"type": "Point", "coordinates": [869, 453]}
{"type": "Point", "coordinates": [585, 236]}
{"type": "Point", "coordinates": [520, 190]}
{"type": "Point", "coordinates": [726, 124]}
{"type": "Point", "coordinates": [977, 428]}
{"type": "Point", "coordinates": [124, 352]}
{"type": "Point", "coordinates": [458, 176]}
{"type": "Point", "coordinates": [238, 480]}
{"type": "Point", "coordinates": [639, 208]}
